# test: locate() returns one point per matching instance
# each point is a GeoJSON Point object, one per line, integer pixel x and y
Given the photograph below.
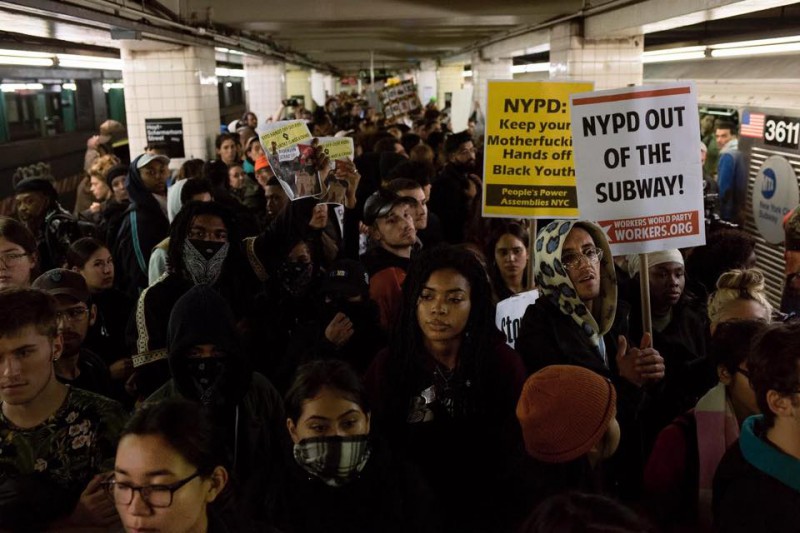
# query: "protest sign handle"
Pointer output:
{"type": "Point", "coordinates": [644, 287]}
{"type": "Point", "coordinates": [531, 250]}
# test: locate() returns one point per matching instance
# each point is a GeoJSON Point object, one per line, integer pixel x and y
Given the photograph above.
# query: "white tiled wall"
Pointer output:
{"type": "Point", "coordinates": [265, 82]}
{"type": "Point", "coordinates": [178, 82]}
{"type": "Point", "coordinates": [483, 71]}
{"type": "Point", "coordinates": [609, 63]}
{"type": "Point", "coordinates": [450, 78]}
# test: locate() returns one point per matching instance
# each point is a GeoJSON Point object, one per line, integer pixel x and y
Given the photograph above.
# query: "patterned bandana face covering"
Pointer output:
{"type": "Point", "coordinates": [204, 259]}
{"type": "Point", "coordinates": [335, 460]}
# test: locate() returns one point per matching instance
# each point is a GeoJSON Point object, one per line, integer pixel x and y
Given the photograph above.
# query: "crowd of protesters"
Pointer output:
{"type": "Point", "coordinates": [194, 351]}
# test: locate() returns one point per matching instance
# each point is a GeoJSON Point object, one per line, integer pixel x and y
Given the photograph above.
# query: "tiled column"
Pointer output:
{"type": "Point", "coordinates": [426, 81]}
{"type": "Point", "coordinates": [317, 88]}
{"type": "Point", "coordinates": [609, 63]}
{"type": "Point", "coordinates": [178, 82]}
{"type": "Point", "coordinates": [449, 78]}
{"type": "Point", "coordinates": [265, 83]}
{"type": "Point", "coordinates": [484, 70]}
{"type": "Point", "coordinates": [298, 83]}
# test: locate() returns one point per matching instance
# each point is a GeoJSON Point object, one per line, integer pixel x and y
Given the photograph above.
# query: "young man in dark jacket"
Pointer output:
{"type": "Point", "coordinates": [145, 223]}
{"type": "Point", "coordinates": [757, 484]}
{"type": "Point", "coordinates": [209, 366]}
{"type": "Point", "coordinates": [577, 320]}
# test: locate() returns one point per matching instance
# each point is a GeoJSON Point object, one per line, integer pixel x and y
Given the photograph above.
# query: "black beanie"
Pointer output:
{"type": "Point", "coordinates": [41, 185]}
{"type": "Point", "coordinates": [115, 172]}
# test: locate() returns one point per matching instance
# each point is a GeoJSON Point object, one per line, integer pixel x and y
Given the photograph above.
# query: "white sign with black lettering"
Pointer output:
{"type": "Point", "coordinates": [510, 312]}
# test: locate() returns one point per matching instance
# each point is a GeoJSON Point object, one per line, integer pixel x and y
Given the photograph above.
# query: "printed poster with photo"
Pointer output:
{"type": "Point", "coordinates": [290, 147]}
{"type": "Point", "coordinates": [340, 151]}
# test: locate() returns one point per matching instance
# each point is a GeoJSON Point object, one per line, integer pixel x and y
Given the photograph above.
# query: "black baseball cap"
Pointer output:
{"type": "Point", "coordinates": [346, 277]}
{"type": "Point", "coordinates": [61, 281]}
{"type": "Point", "coordinates": [381, 203]}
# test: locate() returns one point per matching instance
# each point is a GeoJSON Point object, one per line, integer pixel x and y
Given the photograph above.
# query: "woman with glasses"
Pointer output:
{"type": "Point", "coordinates": [680, 471]}
{"type": "Point", "coordinates": [18, 256]}
{"type": "Point", "coordinates": [577, 320]}
{"type": "Point", "coordinates": [169, 474]}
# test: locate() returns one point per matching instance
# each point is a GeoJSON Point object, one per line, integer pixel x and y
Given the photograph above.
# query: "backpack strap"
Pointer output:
{"type": "Point", "coordinates": [137, 247]}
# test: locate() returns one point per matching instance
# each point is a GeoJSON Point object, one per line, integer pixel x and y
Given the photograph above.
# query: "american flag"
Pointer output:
{"type": "Point", "coordinates": [752, 125]}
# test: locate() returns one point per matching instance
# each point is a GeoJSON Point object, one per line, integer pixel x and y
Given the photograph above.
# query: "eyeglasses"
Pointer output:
{"type": "Point", "coordinates": [153, 495]}
{"type": "Point", "coordinates": [467, 151]}
{"type": "Point", "coordinates": [12, 259]}
{"type": "Point", "coordinates": [573, 260]}
{"type": "Point", "coordinates": [72, 314]}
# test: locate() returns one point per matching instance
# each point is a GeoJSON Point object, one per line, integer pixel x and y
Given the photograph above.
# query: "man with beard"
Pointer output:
{"type": "Point", "coordinates": [209, 366]}
{"type": "Point", "coordinates": [77, 366]}
{"type": "Point", "coordinates": [392, 237]}
{"type": "Point", "coordinates": [454, 190]}
{"type": "Point", "coordinates": [204, 249]}
{"type": "Point", "coordinates": [347, 327]}
{"type": "Point", "coordinates": [54, 228]}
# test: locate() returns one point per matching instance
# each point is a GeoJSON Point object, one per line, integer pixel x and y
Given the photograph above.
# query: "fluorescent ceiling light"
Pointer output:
{"type": "Point", "coordinates": [11, 87]}
{"type": "Point", "coordinates": [467, 73]}
{"type": "Point", "coordinates": [758, 42]}
{"type": "Point", "coordinates": [663, 58]}
{"type": "Point", "coordinates": [69, 87]}
{"type": "Point", "coordinates": [109, 86]}
{"type": "Point", "coordinates": [26, 61]}
{"type": "Point", "coordinates": [530, 67]}
{"type": "Point", "coordinates": [756, 50]}
{"type": "Point", "coordinates": [229, 72]}
{"type": "Point", "coordinates": [89, 62]}
{"type": "Point", "coordinates": [23, 53]}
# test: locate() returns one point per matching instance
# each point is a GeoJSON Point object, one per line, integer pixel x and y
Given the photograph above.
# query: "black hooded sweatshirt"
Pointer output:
{"type": "Point", "coordinates": [245, 407]}
{"type": "Point", "coordinates": [144, 225]}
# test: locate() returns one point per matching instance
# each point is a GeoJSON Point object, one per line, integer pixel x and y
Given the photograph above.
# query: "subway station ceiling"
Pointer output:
{"type": "Point", "coordinates": [341, 36]}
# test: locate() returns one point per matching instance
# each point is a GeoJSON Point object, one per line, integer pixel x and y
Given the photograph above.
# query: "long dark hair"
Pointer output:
{"type": "Point", "coordinates": [81, 250]}
{"type": "Point", "coordinates": [186, 428]}
{"type": "Point", "coordinates": [498, 230]}
{"type": "Point", "coordinates": [408, 351]}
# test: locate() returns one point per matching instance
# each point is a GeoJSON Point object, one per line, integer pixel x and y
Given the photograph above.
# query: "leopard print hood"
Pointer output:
{"type": "Point", "coordinates": [554, 283]}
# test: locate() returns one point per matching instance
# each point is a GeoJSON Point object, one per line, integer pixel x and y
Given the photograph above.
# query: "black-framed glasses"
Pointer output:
{"type": "Point", "coordinates": [10, 260]}
{"type": "Point", "coordinates": [153, 495]}
{"type": "Point", "coordinates": [72, 314]}
{"type": "Point", "coordinates": [573, 260]}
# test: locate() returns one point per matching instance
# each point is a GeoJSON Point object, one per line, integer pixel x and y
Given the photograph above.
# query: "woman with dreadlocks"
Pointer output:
{"type": "Point", "coordinates": [445, 391]}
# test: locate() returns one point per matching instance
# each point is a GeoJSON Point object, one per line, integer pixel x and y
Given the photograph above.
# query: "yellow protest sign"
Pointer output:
{"type": "Point", "coordinates": [337, 147]}
{"type": "Point", "coordinates": [528, 156]}
{"type": "Point", "coordinates": [283, 134]}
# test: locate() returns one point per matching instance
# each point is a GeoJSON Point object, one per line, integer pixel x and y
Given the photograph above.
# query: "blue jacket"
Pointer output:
{"type": "Point", "coordinates": [732, 178]}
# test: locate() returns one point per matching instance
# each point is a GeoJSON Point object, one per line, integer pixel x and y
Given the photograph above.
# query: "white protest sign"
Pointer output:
{"type": "Point", "coordinates": [637, 161]}
{"type": "Point", "coordinates": [461, 108]}
{"type": "Point", "coordinates": [510, 312]}
{"type": "Point", "coordinates": [290, 159]}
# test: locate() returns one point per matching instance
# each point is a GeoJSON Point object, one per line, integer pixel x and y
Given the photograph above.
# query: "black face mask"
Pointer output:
{"type": "Point", "coordinates": [296, 277]}
{"type": "Point", "coordinates": [208, 376]}
{"type": "Point", "coordinates": [207, 248]}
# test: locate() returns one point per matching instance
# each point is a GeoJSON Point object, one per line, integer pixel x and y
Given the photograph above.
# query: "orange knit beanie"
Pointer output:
{"type": "Point", "coordinates": [564, 411]}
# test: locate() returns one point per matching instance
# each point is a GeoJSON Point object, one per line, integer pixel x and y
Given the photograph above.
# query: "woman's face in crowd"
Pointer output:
{"type": "Point", "coordinates": [330, 413]}
{"type": "Point", "coordinates": [444, 305]}
{"type": "Point", "coordinates": [98, 271]}
{"type": "Point", "coordinates": [235, 177]}
{"type": "Point", "coordinates": [741, 393]}
{"type": "Point", "coordinates": [227, 151]}
{"type": "Point", "coordinates": [15, 265]}
{"type": "Point", "coordinates": [99, 188]}
{"type": "Point", "coordinates": [667, 281]}
{"type": "Point", "coordinates": [120, 193]}
{"type": "Point", "coordinates": [511, 256]}
{"type": "Point", "coordinates": [144, 460]}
